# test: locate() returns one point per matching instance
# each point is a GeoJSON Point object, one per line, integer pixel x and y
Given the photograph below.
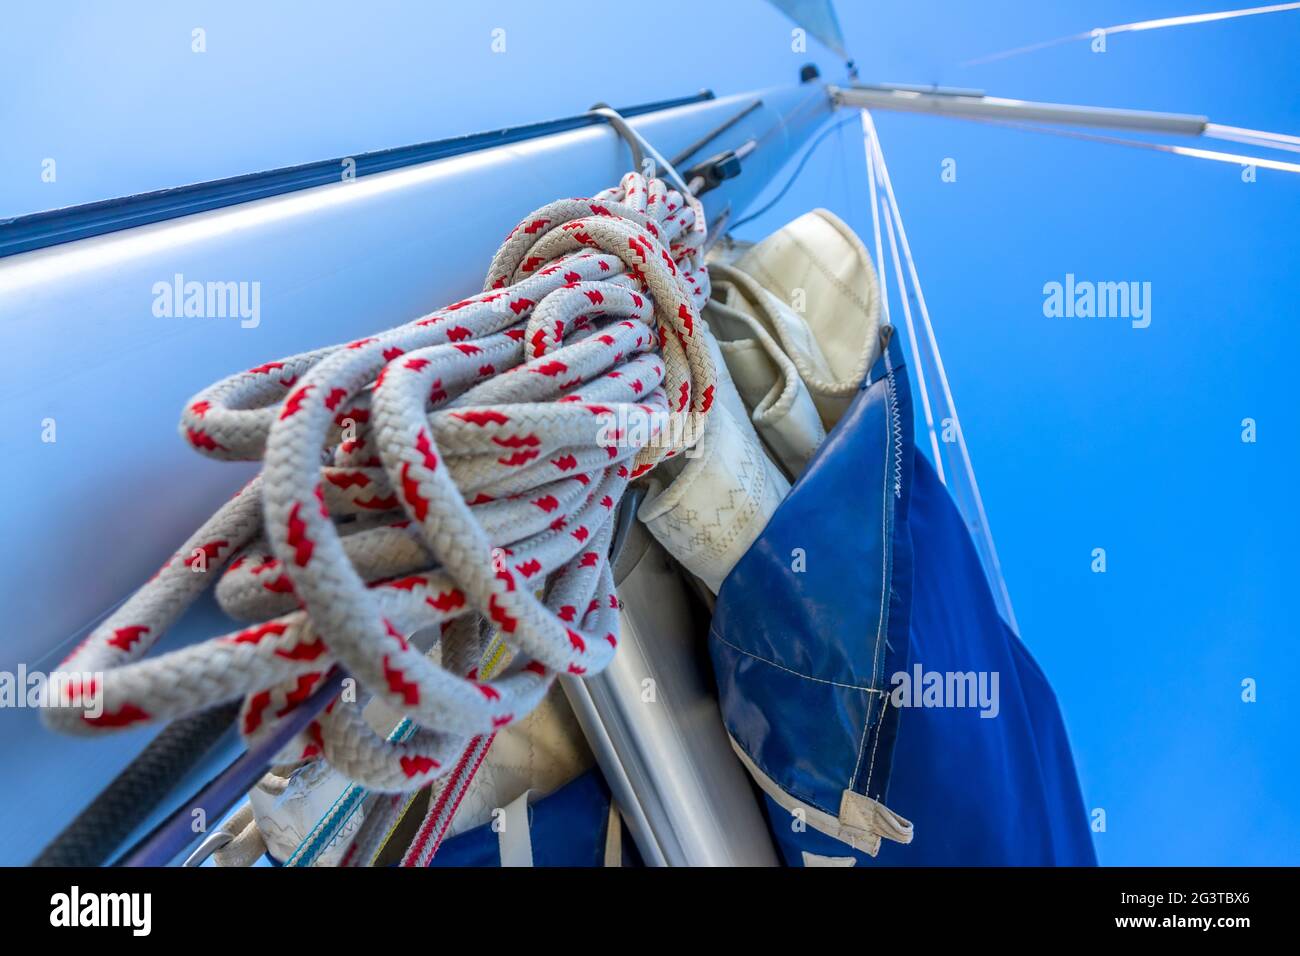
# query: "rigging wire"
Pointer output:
{"type": "Point", "coordinates": [878, 211]}
{"type": "Point", "coordinates": [1236, 159]}
{"type": "Point", "coordinates": [1253, 137]}
{"type": "Point", "coordinates": [912, 341]}
{"type": "Point", "coordinates": [1135, 27]}
{"type": "Point", "coordinates": [993, 566]}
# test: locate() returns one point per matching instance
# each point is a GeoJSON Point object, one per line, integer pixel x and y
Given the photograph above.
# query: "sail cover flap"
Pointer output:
{"type": "Point", "coordinates": [867, 680]}
{"type": "Point", "coordinates": [814, 617]}
{"type": "Point", "coordinates": [818, 18]}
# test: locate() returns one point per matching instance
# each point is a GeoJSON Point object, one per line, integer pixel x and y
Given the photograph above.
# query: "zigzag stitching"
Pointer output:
{"type": "Point", "coordinates": [896, 423]}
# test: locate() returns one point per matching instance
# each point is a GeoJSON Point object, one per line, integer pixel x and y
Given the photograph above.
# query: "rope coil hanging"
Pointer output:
{"type": "Point", "coordinates": [460, 465]}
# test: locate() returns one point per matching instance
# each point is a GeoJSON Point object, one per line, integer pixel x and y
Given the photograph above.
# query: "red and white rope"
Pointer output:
{"type": "Point", "coordinates": [452, 466]}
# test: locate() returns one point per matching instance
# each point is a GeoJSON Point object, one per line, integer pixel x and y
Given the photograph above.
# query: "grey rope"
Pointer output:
{"type": "Point", "coordinates": [100, 829]}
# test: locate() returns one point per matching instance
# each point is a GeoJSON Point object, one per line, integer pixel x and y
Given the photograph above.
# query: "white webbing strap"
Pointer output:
{"type": "Point", "coordinates": [862, 822]}
{"type": "Point", "coordinates": [514, 836]}
{"type": "Point", "coordinates": [614, 836]}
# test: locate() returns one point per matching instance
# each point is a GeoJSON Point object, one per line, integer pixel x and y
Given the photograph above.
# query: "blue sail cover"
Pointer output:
{"type": "Point", "coordinates": [806, 652]}
{"type": "Point", "coordinates": [989, 791]}
{"type": "Point", "coordinates": [566, 828]}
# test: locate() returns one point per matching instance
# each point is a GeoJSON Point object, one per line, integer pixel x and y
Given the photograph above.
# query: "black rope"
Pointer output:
{"type": "Point", "coordinates": [124, 804]}
{"type": "Point", "coordinates": [795, 175]}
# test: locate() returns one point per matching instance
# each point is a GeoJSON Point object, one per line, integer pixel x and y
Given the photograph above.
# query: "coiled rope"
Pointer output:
{"type": "Point", "coordinates": [461, 464]}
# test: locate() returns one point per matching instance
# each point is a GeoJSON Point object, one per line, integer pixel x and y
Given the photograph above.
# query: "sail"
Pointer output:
{"type": "Point", "coordinates": [818, 18]}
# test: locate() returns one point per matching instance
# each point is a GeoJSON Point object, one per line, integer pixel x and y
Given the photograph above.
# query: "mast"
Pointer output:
{"type": "Point", "coordinates": [332, 260]}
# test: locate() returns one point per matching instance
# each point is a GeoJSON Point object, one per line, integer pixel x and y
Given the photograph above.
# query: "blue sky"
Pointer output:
{"type": "Point", "coordinates": [1084, 433]}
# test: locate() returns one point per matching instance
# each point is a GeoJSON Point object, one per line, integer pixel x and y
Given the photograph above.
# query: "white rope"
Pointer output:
{"type": "Point", "coordinates": [461, 464]}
